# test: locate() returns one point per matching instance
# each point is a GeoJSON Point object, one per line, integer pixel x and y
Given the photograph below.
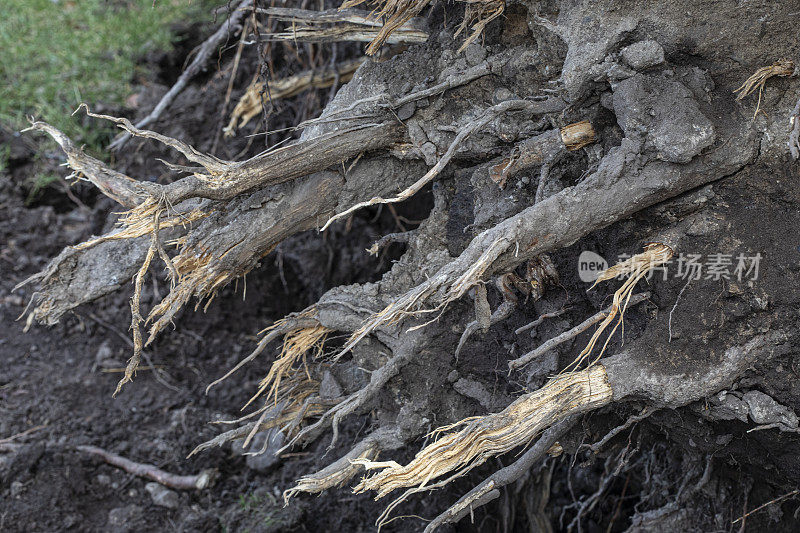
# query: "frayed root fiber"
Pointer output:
{"type": "Point", "coordinates": [783, 68]}
{"type": "Point", "coordinates": [633, 270]}
{"type": "Point", "coordinates": [481, 438]}
{"type": "Point", "coordinates": [296, 344]}
{"type": "Point", "coordinates": [335, 475]}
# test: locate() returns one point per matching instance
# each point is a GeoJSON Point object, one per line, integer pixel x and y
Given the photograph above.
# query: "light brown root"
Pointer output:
{"type": "Point", "coordinates": [296, 344]}
{"type": "Point", "coordinates": [139, 221]}
{"type": "Point", "coordinates": [489, 488]}
{"type": "Point", "coordinates": [197, 482]}
{"type": "Point", "coordinates": [136, 317]}
{"type": "Point", "coordinates": [337, 473]}
{"type": "Point", "coordinates": [395, 13]}
{"type": "Point", "coordinates": [782, 68]}
{"type": "Point", "coordinates": [304, 319]}
{"type": "Point", "coordinates": [479, 14]}
{"type": "Point", "coordinates": [480, 438]}
{"type": "Point", "coordinates": [250, 104]}
{"type": "Point", "coordinates": [634, 269]}
{"type": "Point", "coordinates": [576, 136]}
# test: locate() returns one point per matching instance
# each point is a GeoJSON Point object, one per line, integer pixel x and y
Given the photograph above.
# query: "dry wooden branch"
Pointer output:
{"type": "Point", "coordinates": [121, 188]}
{"type": "Point", "coordinates": [348, 25]}
{"type": "Point", "coordinates": [196, 482]}
{"type": "Point", "coordinates": [332, 16]}
{"type": "Point", "coordinates": [250, 104]}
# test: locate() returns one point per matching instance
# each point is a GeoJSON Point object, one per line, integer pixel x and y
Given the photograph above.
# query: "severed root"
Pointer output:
{"type": "Point", "coordinates": [343, 25]}
{"type": "Point", "coordinates": [197, 482]}
{"type": "Point", "coordinates": [479, 14]}
{"type": "Point", "coordinates": [480, 438]}
{"type": "Point", "coordinates": [250, 104]}
{"type": "Point", "coordinates": [396, 13]}
{"type": "Point", "coordinates": [635, 268]}
{"type": "Point", "coordinates": [783, 68]}
{"type": "Point", "coordinates": [296, 344]}
{"type": "Point", "coordinates": [489, 489]}
{"type": "Point", "coordinates": [570, 334]}
{"type": "Point", "coordinates": [335, 474]}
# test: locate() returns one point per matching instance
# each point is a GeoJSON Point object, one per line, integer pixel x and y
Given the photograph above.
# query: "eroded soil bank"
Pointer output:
{"type": "Point", "coordinates": [704, 375]}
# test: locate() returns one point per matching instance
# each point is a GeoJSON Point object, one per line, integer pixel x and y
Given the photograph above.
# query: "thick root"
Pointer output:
{"type": "Point", "coordinates": [481, 438]}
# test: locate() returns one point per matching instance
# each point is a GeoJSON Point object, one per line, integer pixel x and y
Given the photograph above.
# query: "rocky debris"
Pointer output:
{"type": "Point", "coordinates": [122, 518]}
{"type": "Point", "coordinates": [754, 405]}
{"type": "Point", "coordinates": [475, 390]}
{"type": "Point", "coordinates": [664, 112]}
{"type": "Point", "coordinates": [329, 388]}
{"type": "Point", "coordinates": [643, 55]}
{"type": "Point", "coordinates": [162, 496]}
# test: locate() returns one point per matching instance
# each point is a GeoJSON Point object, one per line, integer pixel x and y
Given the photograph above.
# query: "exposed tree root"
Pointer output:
{"type": "Point", "coordinates": [196, 482]}
{"type": "Point", "coordinates": [121, 188]}
{"type": "Point", "coordinates": [571, 333]}
{"type": "Point", "coordinates": [348, 25]}
{"type": "Point", "coordinates": [349, 405]}
{"type": "Point", "coordinates": [489, 489]}
{"type": "Point", "coordinates": [204, 52]}
{"type": "Point", "coordinates": [483, 437]}
{"type": "Point", "coordinates": [249, 105]}
{"type": "Point", "coordinates": [783, 68]}
{"type": "Point", "coordinates": [296, 344]}
{"type": "Point", "coordinates": [397, 13]}
{"type": "Point", "coordinates": [347, 467]}
{"type": "Point", "coordinates": [635, 268]}
{"type": "Point", "coordinates": [548, 106]}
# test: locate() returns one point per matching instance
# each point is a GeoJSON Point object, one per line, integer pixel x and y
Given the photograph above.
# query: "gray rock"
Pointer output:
{"type": "Point", "coordinates": [406, 111]}
{"type": "Point", "coordinates": [643, 55]}
{"type": "Point", "coordinates": [474, 54]}
{"type": "Point", "coordinates": [104, 357]}
{"type": "Point", "coordinates": [765, 410]}
{"type": "Point", "coordinates": [665, 114]}
{"type": "Point", "coordinates": [121, 518]}
{"type": "Point", "coordinates": [162, 496]}
{"type": "Point", "coordinates": [475, 390]}
{"type": "Point", "coordinates": [16, 488]}
{"type": "Point", "coordinates": [329, 388]}
{"type": "Point", "coordinates": [270, 441]}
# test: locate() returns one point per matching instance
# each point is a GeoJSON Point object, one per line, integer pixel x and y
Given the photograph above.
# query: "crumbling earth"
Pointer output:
{"type": "Point", "coordinates": [662, 401]}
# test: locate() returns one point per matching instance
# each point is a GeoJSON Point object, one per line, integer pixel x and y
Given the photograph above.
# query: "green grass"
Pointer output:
{"type": "Point", "coordinates": [55, 54]}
